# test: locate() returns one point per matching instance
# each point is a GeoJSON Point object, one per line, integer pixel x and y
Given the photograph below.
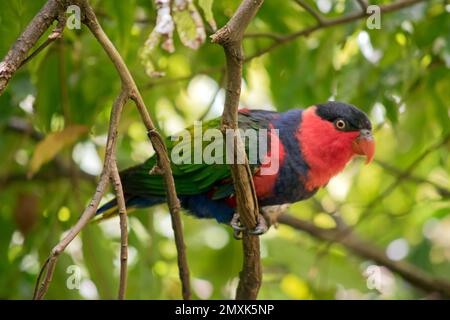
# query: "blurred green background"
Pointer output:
{"type": "Point", "coordinates": [398, 74]}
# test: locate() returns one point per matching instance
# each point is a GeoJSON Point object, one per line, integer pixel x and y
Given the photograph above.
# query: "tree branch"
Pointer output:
{"type": "Point", "coordinates": [55, 35]}
{"type": "Point", "coordinates": [327, 23]}
{"type": "Point", "coordinates": [444, 192]}
{"type": "Point", "coordinates": [155, 138]}
{"type": "Point", "coordinates": [89, 212]}
{"type": "Point", "coordinates": [362, 4]}
{"type": "Point", "coordinates": [115, 177]}
{"type": "Point", "coordinates": [230, 37]}
{"type": "Point", "coordinates": [364, 249]}
{"type": "Point", "coordinates": [18, 125]}
{"type": "Point", "coordinates": [110, 171]}
{"type": "Point", "coordinates": [17, 55]}
{"type": "Point", "coordinates": [368, 210]}
{"type": "Point", "coordinates": [281, 39]}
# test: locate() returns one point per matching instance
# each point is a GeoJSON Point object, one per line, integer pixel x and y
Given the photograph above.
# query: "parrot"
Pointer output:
{"type": "Point", "coordinates": [312, 145]}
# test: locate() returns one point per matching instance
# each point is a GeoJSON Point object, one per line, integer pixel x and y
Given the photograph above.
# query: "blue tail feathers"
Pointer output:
{"type": "Point", "coordinates": [110, 207]}
{"type": "Point", "coordinates": [199, 205]}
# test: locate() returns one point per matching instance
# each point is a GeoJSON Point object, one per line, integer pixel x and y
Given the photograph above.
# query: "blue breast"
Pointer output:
{"type": "Point", "coordinates": [289, 187]}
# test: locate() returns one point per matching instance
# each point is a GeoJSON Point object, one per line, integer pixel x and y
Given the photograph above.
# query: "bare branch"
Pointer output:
{"type": "Point", "coordinates": [155, 138]}
{"type": "Point", "coordinates": [283, 39]}
{"type": "Point", "coordinates": [230, 37]}
{"type": "Point", "coordinates": [55, 35]}
{"type": "Point", "coordinates": [19, 125]}
{"type": "Point", "coordinates": [311, 11]}
{"type": "Point", "coordinates": [330, 23]}
{"type": "Point", "coordinates": [271, 35]}
{"type": "Point", "coordinates": [174, 206]}
{"type": "Point", "coordinates": [362, 4]}
{"type": "Point", "coordinates": [365, 250]}
{"type": "Point", "coordinates": [368, 210]}
{"type": "Point", "coordinates": [35, 29]}
{"type": "Point", "coordinates": [115, 177]}
{"type": "Point", "coordinates": [444, 192]}
{"type": "Point", "coordinates": [110, 171]}
{"type": "Point", "coordinates": [169, 81]}
{"type": "Point", "coordinates": [89, 212]}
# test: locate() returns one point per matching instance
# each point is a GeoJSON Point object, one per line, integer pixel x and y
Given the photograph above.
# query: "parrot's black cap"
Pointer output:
{"type": "Point", "coordinates": [334, 110]}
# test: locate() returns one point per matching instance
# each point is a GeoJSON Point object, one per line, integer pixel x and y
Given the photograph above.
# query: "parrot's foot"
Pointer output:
{"type": "Point", "coordinates": [238, 228]}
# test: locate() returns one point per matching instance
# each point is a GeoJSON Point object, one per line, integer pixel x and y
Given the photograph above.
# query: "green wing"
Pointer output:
{"type": "Point", "coordinates": [190, 178]}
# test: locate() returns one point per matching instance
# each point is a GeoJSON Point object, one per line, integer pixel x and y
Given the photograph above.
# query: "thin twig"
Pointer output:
{"type": "Point", "coordinates": [115, 177]}
{"type": "Point", "coordinates": [53, 10]}
{"type": "Point", "coordinates": [444, 192]}
{"type": "Point", "coordinates": [272, 35]}
{"type": "Point", "coordinates": [368, 210]}
{"type": "Point", "coordinates": [364, 249]}
{"type": "Point", "coordinates": [55, 35]}
{"type": "Point", "coordinates": [362, 4]}
{"type": "Point", "coordinates": [284, 39]}
{"type": "Point", "coordinates": [169, 81]}
{"type": "Point", "coordinates": [230, 37]}
{"type": "Point", "coordinates": [155, 138]}
{"type": "Point", "coordinates": [89, 212]}
{"type": "Point", "coordinates": [311, 11]}
{"type": "Point", "coordinates": [35, 29]}
{"type": "Point", "coordinates": [331, 23]}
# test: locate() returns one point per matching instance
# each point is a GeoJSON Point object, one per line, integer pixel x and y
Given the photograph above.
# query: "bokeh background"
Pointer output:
{"type": "Point", "coordinates": [53, 123]}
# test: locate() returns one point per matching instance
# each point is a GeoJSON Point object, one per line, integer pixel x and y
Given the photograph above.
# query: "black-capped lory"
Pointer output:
{"type": "Point", "coordinates": [304, 149]}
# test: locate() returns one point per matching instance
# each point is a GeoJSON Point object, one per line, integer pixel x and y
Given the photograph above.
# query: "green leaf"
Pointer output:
{"type": "Point", "coordinates": [48, 98]}
{"type": "Point", "coordinates": [14, 17]}
{"type": "Point", "coordinates": [206, 6]}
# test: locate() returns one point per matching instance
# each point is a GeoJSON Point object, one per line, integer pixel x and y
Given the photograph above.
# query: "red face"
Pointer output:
{"type": "Point", "coordinates": [328, 146]}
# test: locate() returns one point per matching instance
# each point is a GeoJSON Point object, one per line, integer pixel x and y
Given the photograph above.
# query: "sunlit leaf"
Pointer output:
{"type": "Point", "coordinates": [207, 6]}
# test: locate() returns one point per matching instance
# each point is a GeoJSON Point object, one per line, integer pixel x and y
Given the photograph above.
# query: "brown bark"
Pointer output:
{"type": "Point", "coordinates": [230, 37]}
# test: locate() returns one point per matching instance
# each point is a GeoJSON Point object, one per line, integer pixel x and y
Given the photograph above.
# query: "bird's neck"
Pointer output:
{"type": "Point", "coordinates": [325, 150]}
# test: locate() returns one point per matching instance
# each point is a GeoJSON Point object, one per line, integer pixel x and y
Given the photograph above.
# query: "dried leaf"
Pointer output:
{"type": "Point", "coordinates": [53, 143]}
{"type": "Point", "coordinates": [189, 24]}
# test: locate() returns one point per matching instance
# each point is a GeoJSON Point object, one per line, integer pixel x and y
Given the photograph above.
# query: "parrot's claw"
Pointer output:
{"type": "Point", "coordinates": [236, 223]}
{"type": "Point", "coordinates": [238, 228]}
{"type": "Point", "coordinates": [260, 228]}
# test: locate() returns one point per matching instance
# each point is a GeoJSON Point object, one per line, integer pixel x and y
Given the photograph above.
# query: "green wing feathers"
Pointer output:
{"type": "Point", "coordinates": [190, 178]}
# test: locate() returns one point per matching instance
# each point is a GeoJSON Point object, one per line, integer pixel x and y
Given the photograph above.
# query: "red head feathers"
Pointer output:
{"type": "Point", "coordinates": [330, 135]}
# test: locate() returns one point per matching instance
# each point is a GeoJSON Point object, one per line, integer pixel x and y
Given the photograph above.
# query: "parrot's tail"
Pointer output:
{"type": "Point", "coordinates": [110, 209]}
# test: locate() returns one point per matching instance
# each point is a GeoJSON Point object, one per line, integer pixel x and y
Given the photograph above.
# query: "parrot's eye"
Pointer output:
{"type": "Point", "coordinates": [340, 124]}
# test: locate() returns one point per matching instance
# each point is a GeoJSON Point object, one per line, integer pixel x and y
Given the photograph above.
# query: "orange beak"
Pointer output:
{"type": "Point", "coordinates": [364, 145]}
